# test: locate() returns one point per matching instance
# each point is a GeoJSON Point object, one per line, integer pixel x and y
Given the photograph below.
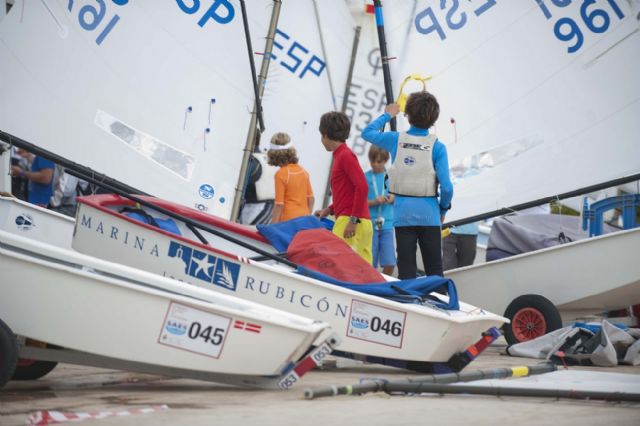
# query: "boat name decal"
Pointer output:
{"type": "Point", "coordinates": [306, 300]}
{"type": "Point", "coordinates": [206, 267]}
{"type": "Point", "coordinates": [127, 238]}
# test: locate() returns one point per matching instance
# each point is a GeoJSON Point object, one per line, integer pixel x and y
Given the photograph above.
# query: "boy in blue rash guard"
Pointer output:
{"type": "Point", "coordinates": [381, 210]}
{"type": "Point", "coordinates": [419, 178]}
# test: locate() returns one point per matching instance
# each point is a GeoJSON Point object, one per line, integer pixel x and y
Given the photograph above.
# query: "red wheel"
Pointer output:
{"type": "Point", "coordinates": [531, 316]}
{"type": "Point", "coordinates": [527, 324]}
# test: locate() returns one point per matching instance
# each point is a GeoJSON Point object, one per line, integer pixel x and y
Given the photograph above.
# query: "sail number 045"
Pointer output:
{"type": "Point", "coordinates": [388, 327]}
{"type": "Point", "coordinates": [208, 333]}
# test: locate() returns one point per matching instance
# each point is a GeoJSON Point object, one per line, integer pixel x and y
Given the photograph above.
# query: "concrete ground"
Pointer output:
{"type": "Point", "coordinates": [82, 389]}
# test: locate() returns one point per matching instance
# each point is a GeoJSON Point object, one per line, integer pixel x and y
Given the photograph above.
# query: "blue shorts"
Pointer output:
{"type": "Point", "coordinates": [384, 252]}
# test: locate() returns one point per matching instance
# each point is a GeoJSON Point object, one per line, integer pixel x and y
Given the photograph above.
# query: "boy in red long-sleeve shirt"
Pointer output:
{"type": "Point", "coordinates": [348, 187]}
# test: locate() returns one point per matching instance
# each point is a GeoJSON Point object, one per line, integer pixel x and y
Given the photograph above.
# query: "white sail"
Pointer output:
{"type": "Point", "coordinates": [366, 93]}
{"type": "Point", "coordinates": [154, 94]}
{"type": "Point", "coordinates": [537, 98]}
{"type": "Point", "coordinates": [303, 76]}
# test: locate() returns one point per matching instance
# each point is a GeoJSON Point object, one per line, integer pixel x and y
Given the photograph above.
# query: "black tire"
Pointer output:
{"type": "Point", "coordinates": [8, 353]}
{"type": "Point", "coordinates": [531, 316]}
{"type": "Point", "coordinates": [28, 369]}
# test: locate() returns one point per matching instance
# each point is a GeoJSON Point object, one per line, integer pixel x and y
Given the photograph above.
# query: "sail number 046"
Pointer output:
{"type": "Point", "coordinates": [208, 333]}
{"type": "Point", "coordinates": [388, 327]}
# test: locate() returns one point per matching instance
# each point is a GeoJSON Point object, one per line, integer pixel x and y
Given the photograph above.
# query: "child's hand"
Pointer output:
{"type": "Point", "coordinates": [321, 213]}
{"type": "Point", "coordinates": [392, 109]}
{"type": "Point", "coordinates": [390, 198]}
{"type": "Point", "coordinates": [381, 200]}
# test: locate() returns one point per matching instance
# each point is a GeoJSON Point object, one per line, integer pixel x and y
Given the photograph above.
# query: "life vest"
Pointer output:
{"type": "Point", "coordinates": [413, 174]}
{"type": "Point", "coordinates": [265, 188]}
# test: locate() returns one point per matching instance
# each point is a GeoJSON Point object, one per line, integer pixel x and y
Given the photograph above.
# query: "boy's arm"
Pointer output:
{"type": "Point", "coordinates": [441, 164]}
{"type": "Point", "coordinates": [385, 140]}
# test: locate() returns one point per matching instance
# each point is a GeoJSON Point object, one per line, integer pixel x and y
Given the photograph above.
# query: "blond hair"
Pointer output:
{"type": "Point", "coordinates": [282, 157]}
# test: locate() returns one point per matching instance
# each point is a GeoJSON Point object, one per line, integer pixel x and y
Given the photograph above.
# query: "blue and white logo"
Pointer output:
{"type": "Point", "coordinates": [24, 222]}
{"type": "Point", "coordinates": [176, 328]}
{"type": "Point", "coordinates": [206, 267]}
{"type": "Point", "coordinates": [409, 160]}
{"type": "Point", "coordinates": [206, 191]}
{"type": "Point", "coordinates": [359, 323]}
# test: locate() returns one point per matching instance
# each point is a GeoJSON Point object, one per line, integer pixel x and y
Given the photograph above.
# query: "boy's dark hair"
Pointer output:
{"type": "Point", "coordinates": [422, 109]}
{"type": "Point", "coordinates": [377, 153]}
{"type": "Point", "coordinates": [335, 126]}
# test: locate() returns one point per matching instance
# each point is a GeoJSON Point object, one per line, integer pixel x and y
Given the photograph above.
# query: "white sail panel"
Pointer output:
{"type": "Point", "coordinates": [155, 95]}
{"type": "Point", "coordinates": [536, 99]}
{"type": "Point", "coordinates": [366, 95]}
{"type": "Point", "coordinates": [297, 89]}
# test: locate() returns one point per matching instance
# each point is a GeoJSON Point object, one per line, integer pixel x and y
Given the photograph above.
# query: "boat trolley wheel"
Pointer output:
{"type": "Point", "coordinates": [531, 316]}
{"type": "Point", "coordinates": [8, 353]}
{"type": "Point", "coordinates": [30, 369]}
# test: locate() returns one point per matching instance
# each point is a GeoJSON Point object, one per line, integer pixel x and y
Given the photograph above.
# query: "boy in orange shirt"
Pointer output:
{"type": "Point", "coordinates": [294, 196]}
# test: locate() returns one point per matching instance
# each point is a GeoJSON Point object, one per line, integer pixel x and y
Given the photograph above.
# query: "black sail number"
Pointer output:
{"type": "Point", "coordinates": [388, 327]}
{"type": "Point", "coordinates": [207, 333]}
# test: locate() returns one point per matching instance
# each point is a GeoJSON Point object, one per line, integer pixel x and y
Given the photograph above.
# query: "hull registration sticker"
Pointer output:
{"type": "Point", "coordinates": [194, 330]}
{"type": "Point", "coordinates": [377, 324]}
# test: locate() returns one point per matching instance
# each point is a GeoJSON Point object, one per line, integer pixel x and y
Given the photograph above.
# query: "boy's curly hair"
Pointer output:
{"type": "Point", "coordinates": [422, 109]}
{"type": "Point", "coordinates": [282, 157]}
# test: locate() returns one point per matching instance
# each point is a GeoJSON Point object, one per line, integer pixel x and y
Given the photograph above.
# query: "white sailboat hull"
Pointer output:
{"type": "Point", "coordinates": [583, 277]}
{"type": "Point", "coordinates": [84, 304]}
{"type": "Point", "coordinates": [28, 220]}
{"type": "Point", "coordinates": [421, 333]}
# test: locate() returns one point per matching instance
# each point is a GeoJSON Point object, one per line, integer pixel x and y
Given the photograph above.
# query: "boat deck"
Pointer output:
{"type": "Point", "coordinates": [81, 389]}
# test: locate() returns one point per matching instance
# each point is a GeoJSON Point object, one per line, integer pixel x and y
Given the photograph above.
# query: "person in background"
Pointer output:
{"type": "Point", "coordinates": [39, 176]}
{"type": "Point", "coordinates": [419, 178]}
{"type": "Point", "coordinates": [348, 187]}
{"type": "Point", "coordinates": [381, 210]}
{"type": "Point", "coordinates": [65, 190]}
{"type": "Point", "coordinates": [459, 247]}
{"type": "Point", "coordinates": [259, 195]}
{"type": "Point", "coordinates": [294, 196]}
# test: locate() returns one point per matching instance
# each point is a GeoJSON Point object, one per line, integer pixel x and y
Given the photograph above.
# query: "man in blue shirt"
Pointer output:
{"type": "Point", "coordinates": [419, 178]}
{"type": "Point", "coordinates": [40, 177]}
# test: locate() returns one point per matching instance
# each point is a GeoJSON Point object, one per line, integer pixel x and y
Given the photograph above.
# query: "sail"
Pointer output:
{"type": "Point", "coordinates": [307, 75]}
{"type": "Point", "coordinates": [156, 95]}
{"type": "Point", "coordinates": [366, 93]}
{"type": "Point", "coordinates": [537, 98]}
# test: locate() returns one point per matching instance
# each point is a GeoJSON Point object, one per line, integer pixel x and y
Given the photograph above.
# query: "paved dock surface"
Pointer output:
{"type": "Point", "coordinates": [74, 389]}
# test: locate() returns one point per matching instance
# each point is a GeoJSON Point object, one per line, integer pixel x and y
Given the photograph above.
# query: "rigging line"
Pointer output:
{"type": "Point", "coordinates": [324, 53]}
{"type": "Point", "coordinates": [62, 28]}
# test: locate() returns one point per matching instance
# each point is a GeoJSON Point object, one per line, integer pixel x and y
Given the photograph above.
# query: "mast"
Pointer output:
{"type": "Point", "coordinates": [251, 136]}
{"type": "Point", "coordinates": [345, 100]}
{"type": "Point", "coordinates": [382, 41]}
